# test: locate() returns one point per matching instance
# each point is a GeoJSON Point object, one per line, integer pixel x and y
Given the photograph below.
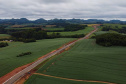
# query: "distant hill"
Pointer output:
{"type": "Point", "coordinates": [58, 21]}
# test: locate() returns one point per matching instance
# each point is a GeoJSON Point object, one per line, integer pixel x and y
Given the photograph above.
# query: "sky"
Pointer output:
{"type": "Point", "coordinates": [63, 9]}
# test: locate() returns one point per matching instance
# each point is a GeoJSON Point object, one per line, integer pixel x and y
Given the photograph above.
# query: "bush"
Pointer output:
{"type": "Point", "coordinates": [74, 36]}
{"type": "Point", "coordinates": [25, 40]}
{"type": "Point", "coordinates": [93, 37]}
{"type": "Point", "coordinates": [2, 44]}
{"type": "Point", "coordinates": [54, 35]}
{"type": "Point", "coordinates": [23, 54]}
{"type": "Point", "coordinates": [29, 40]}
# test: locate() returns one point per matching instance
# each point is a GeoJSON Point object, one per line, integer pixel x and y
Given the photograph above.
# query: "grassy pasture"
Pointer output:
{"type": "Point", "coordinates": [2, 36]}
{"type": "Point", "coordinates": [88, 61]}
{"type": "Point", "coordinates": [84, 31]}
{"type": "Point", "coordinates": [9, 61]}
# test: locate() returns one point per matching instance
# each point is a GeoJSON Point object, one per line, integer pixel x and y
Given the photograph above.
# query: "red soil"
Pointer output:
{"type": "Point", "coordinates": [10, 74]}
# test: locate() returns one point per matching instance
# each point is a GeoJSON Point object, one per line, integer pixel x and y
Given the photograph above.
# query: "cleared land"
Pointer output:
{"type": "Point", "coordinates": [9, 61]}
{"type": "Point", "coordinates": [86, 61]}
{"type": "Point", "coordinates": [84, 31]}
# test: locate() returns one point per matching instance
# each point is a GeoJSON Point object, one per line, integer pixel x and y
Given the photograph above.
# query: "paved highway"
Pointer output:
{"type": "Point", "coordinates": [26, 70]}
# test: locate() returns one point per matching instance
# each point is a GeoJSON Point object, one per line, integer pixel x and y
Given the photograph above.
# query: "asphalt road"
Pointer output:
{"type": "Point", "coordinates": [26, 70]}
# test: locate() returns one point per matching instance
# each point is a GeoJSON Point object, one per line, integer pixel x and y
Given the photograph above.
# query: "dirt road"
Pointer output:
{"type": "Point", "coordinates": [15, 77]}
{"type": "Point", "coordinates": [75, 79]}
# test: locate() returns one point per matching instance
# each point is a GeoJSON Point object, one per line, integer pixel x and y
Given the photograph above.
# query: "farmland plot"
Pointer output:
{"type": "Point", "coordinates": [9, 61]}
{"type": "Point", "coordinates": [37, 79]}
{"type": "Point", "coordinates": [89, 61]}
{"type": "Point", "coordinates": [83, 31]}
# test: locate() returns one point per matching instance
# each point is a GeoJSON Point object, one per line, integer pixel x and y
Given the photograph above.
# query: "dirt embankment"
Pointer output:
{"type": "Point", "coordinates": [9, 75]}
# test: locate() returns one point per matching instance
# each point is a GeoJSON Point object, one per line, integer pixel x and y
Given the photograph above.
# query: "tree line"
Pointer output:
{"type": "Point", "coordinates": [111, 39]}
{"type": "Point", "coordinates": [2, 29]}
{"type": "Point", "coordinates": [70, 27]}
{"type": "Point", "coordinates": [120, 30]}
{"type": "Point", "coordinates": [33, 35]}
{"type": "Point", "coordinates": [74, 27]}
{"type": "Point", "coordinates": [29, 35]}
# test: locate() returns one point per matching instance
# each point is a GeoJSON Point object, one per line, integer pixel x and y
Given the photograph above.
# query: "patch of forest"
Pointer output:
{"type": "Point", "coordinates": [111, 39]}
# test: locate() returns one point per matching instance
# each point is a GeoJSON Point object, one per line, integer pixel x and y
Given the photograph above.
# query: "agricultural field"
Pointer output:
{"type": "Point", "coordinates": [9, 61]}
{"type": "Point", "coordinates": [84, 31]}
{"type": "Point", "coordinates": [86, 61]}
{"type": "Point", "coordinates": [2, 36]}
{"type": "Point", "coordinates": [119, 26]}
{"type": "Point", "coordinates": [114, 27]}
{"type": "Point", "coordinates": [100, 32]}
{"type": "Point", "coordinates": [17, 28]}
{"type": "Point", "coordinates": [53, 28]}
{"type": "Point", "coordinates": [37, 79]}
{"type": "Point", "coordinates": [103, 32]}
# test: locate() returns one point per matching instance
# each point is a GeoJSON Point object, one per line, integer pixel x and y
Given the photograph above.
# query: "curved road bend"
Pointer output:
{"type": "Point", "coordinates": [26, 70]}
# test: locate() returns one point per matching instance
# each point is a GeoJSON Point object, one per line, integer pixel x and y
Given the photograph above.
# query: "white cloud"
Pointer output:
{"type": "Point", "coordinates": [48, 9]}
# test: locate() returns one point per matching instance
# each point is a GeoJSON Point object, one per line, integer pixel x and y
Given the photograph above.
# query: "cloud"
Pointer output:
{"type": "Point", "coordinates": [53, 1]}
{"type": "Point", "coordinates": [49, 9]}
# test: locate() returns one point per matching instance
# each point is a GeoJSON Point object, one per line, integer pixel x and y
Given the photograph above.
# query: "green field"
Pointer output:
{"type": "Point", "coordinates": [18, 28]}
{"type": "Point", "coordinates": [51, 28]}
{"type": "Point", "coordinates": [4, 36]}
{"type": "Point", "coordinates": [84, 31]}
{"type": "Point", "coordinates": [9, 61]}
{"type": "Point", "coordinates": [36, 79]}
{"type": "Point", "coordinates": [103, 32]}
{"type": "Point", "coordinates": [100, 32]}
{"type": "Point", "coordinates": [48, 28]}
{"type": "Point", "coordinates": [115, 25]}
{"type": "Point", "coordinates": [87, 61]}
